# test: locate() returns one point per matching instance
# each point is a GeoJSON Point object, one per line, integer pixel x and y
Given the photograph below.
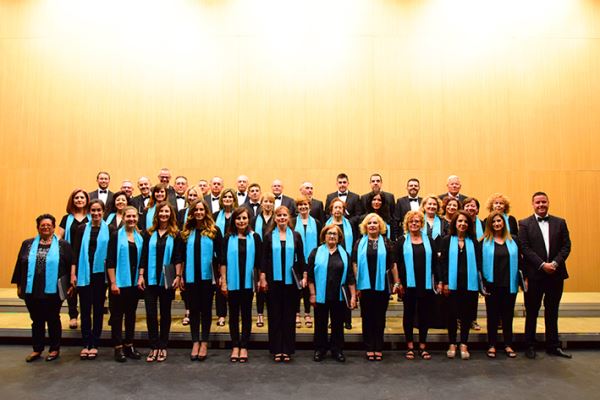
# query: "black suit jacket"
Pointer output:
{"type": "Point", "coordinates": [316, 210]}
{"type": "Point", "coordinates": [461, 197]}
{"type": "Point", "coordinates": [353, 206]}
{"type": "Point", "coordinates": [208, 199]}
{"type": "Point", "coordinates": [402, 207]}
{"type": "Point", "coordinates": [534, 249]}
{"type": "Point", "coordinates": [289, 203]}
{"type": "Point", "coordinates": [251, 209]}
{"type": "Point", "coordinates": [94, 195]}
{"type": "Point", "coordinates": [389, 200]}
{"type": "Point", "coordinates": [138, 202]}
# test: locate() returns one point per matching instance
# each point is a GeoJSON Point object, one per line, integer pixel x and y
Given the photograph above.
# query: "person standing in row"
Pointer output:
{"type": "Point", "coordinates": [351, 200]}
{"type": "Point", "coordinates": [158, 194]}
{"type": "Point", "coordinates": [501, 203]}
{"type": "Point", "coordinates": [410, 202]}
{"type": "Point", "coordinates": [41, 263]}
{"type": "Point", "coordinates": [376, 182]}
{"type": "Point", "coordinates": [431, 207]}
{"type": "Point", "coordinates": [261, 224]}
{"type": "Point", "coordinates": [114, 218]}
{"type": "Point", "coordinates": [102, 193]}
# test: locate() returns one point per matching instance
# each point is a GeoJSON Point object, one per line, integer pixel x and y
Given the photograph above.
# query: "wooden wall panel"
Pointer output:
{"type": "Point", "coordinates": [504, 94]}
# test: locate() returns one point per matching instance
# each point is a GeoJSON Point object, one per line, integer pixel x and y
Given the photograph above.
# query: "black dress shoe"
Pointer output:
{"type": "Point", "coordinates": [348, 325]}
{"type": "Point", "coordinates": [33, 356]}
{"type": "Point", "coordinates": [558, 352]}
{"type": "Point", "coordinates": [530, 352]}
{"type": "Point", "coordinates": [339, 357]}
{"type": "Point", "coordinates": [52, 356]}
{"type": "Point", "coordinates": [119, 355]}
{"type": "Point", "coordinates": [131, 352]}
{"type": "Point", "coordinates": [318, 357]}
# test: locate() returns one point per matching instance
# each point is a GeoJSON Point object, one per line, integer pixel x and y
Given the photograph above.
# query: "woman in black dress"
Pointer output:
{"type": "Point", "coordinates": [449, 208]}
{"type": "Point", "coordinates": [191, 195]}
{"type": "Point", "coordinates": [201, 253]}
{"type": "Point", "coordinates": [417, 264]}
{"type": "Point", "coordinates": [43, 264]}
{"type": "Point", "coordinates": [372, 260]}
{"type": "Point", "coordinates": [281, 274]}
{"type": "Point", "coordinates": [376, 204]}
{"type": "Point", "coordinates": [328, 270]}
{"type": "Point", "coordinates": [77, 215]}
{"type": "Point", "coordinates": [460, 264]}
{"type": "Point", "coordinates": [89, 276]}
{"type": "Point", "coordinates": [114, 218]}
{"type": "Point", "coordinates": [261, 224]}
{"type": "Point", "coordinates": [243, 254]}
{"type": "Point", "coordinates": [501, 260]}
{"type": "Point", "coordinates": [122, 265]}
{"type": "Point", "coordinates": [161, 244]}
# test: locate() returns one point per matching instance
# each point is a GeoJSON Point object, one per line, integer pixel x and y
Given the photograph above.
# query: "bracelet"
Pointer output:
{"type": "Point", "coordinates": [397, 285]}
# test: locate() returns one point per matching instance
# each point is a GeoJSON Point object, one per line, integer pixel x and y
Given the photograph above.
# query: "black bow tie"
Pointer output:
{"type": "Point", "coordinates": [540, 219]}
{"type": "Point", "coordinates": [277, 197]}
{"type": "Point", "coordinates": [181, 197]}
{"type": "Point", "coordinates": [343, 194]}
{"type": "Point", "coordinates": [102, 191]}
{"type": "Point", "coordinates": [215, 199]}
{"type": "Point", "coordinates": [417, 200]}
{"type": "Point", "coordinates": [241, 194]}
{"type": "Point", "coordinates": [254, 205]}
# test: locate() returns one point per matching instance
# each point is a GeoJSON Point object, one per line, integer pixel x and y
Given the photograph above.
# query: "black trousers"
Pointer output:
{"type": "Point", "coordinates": [240, 302]}
{"type": "Point", "coordinates": [282, 301]}
{"type": "Point", "coordinates": [123, 307]}
{"type": "Point", "coordinates": [152, 296]}
{"type": "Point", "coordinates": [91, 301]}
{"type": "Point", "coordinates": [220, 303]}
{"type": "Point", "coordinates": [323, 311]}
{"type": "Point", "coordinates": [200, 298]}
{"type": "Point", "coordinates": [460, 306]}
{"type": "Point", "coordinates": [72, 303]}
{"type": "Point", "coordinates": [261, 299]}
{"type": "Point", "coordinates": [42, 312]}
{"type": "Point", "coordinates": [500, 304]}
{"type": "Point", "coordinates": [184, 297]}
{"type": "Point", "coordinates": [550, 290]}
{"type": "Point", "coordinates": [419, 306]}
{"type": "Point", "coordinates": [305, 297]}
{"type": "Point", "coordinates": [373, 306]}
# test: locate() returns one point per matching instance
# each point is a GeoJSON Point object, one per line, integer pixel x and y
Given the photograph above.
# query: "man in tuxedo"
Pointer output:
{"type": "Point", "coordinates": [212, 199]}
{"type": "Point", "coordinates": [164, 176]}
{"type": "Point", "coordinates": [242, 189]}
{"type": "Point", "coordinates": [102, 193]}
{"type": "Point", "coordinates": [281, 199]}
{"type": "Point", "coordinates": [204, 187]}
{"type": "Point", "coordinates": [411, 202]}
{"type": "Point", "coordinates": [253, 200]}
{"type": "Point", "coordinates": [545, 245]}
{"type": "Point", "coordinates": [141, 201]}
{"type": "Point", "coordinates": [127, 187]}
{"type": "Point", "coordinates": [352, 200]}
{"type": "Point", "coordinates": [316, 206]}
{"type": "Point", "coordinates": [181, 186]}
{"type": "Point", "coordinates": [453, 184]}
{"type": "Point", "coordinates": [376, 181]}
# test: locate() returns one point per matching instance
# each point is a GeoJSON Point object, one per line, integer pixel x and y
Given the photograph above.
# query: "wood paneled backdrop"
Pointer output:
{"type": "Point", "coordinates": [505, 94]}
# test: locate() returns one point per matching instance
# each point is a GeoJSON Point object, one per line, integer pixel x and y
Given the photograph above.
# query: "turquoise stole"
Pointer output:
{"type": "Point", "coordinates": [506, 222]}
{"type": "Point", "coordinates": [110, 217]}
{"type": "Point", "coordinates": [310, 238]}
{"type": "Point", "coordinates": [289, 255]}
{"type": "Point", "coordinates": [347, 230]}
{"type": "Point", "coordinates": [388, 231]}
{"type": "Point", "coordinates": [221, 220]}
{"type": "Point", "coordinates": [150, 216]}
{"type": "Point", "coordinates": [83, 266]}
{"type": "Point", "coordinates": [258, 225]}
{"type": "Point", "coordinates": [363, 279]}
{"type": "Point", "coordinates": [152, 258]}
{"type": "Point", "coordinates": [233, 266]}
{"type": "Point", "coordinates": [409, 265]}
{"type": "Point", "coordinates": [123, 270]}
{"type": "Point", "coordinates": [436, 229]}
{"type": "Point", "coordinates": [206, 258]}
{"type": "Point", "coordinates": [52, 260]}
{"type": "Point", "coordinates": [488, 262]}
{"type": "Point", "coordinates": [321, 262]}
{"type": "Point", "coordinates": [479, 228]}
{"type": "Point", "coordinates": [472, 276]}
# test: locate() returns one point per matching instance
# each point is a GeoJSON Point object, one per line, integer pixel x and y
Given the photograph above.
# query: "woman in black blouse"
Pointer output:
{"type": "Point", "coordinates": [417, 262]}
{"type": "Point", "coordinates": [122, 265]}
{"type": "Point", "coordinates": [328, 270]}
{"type": "Point", "coordinates": [161, 243]}
{"type": "Point", "coordinates": [450, 206]}
{"type": "Point", "coordinates": [89, 275]}
{"type": "Point", "coordinates": [116, 208]}
{"type": "Point", "coordinates": [372, 259]}
{"type": "Point", "coordinates": [376, 204]}
{"type": "Point", "coordinates": [460, 264]}
{"type": "Point", "coordinates": [501, 262]}
{"type": "Point", "coordinates": [283, 269]}
{"type": "Point", "coordinates": [77, 211]}
{"type": "Point", "coordinates": [242, 253]}
{"type": "Point", "coordinates": [431, 207]}
{"type": "Point", "coordinates": [158, 194]}
{"type": "Point", "coordinates": [261, 224]}
{"type": "Point", "coordinates": [41, 262]}
{"type": "Point", "coordinates": [200, 253]}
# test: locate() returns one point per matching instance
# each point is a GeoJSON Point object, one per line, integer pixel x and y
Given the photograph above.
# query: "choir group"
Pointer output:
{"type": "Point", "coordinates": [222, 245]}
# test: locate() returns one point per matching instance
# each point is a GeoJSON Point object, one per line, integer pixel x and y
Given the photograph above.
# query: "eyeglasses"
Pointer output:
{"type": "Point", "coordinates": [332, 233]}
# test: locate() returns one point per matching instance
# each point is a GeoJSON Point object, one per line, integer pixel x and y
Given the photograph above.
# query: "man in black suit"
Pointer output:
{"type": "Point", "coordinates": [164, 176]}
{"type": "Point", "coordinates": [281, 199]}
{"type": "Point", "coordinates": [212, 199]}
{"type": "Point", "coordinates": [242, 189]}
{"type": "Point", "coordinates": [453, 184]}
{"type": "Point", "coordinates": [102, 193]}
{"type": "Point", "coordinates": [545, 245]}
{"type": "Point", "coordinates": [376, 181]}
{"type": "Point", "coordinates": [181, 186]}
{"type": "Point", "coordinates": [412, 202]}
{"type": "Point", "coordinates": [141, 201]}
{"type": "Point", "coordinates": [253, 200]}
{"type": "Point", "coordinates": [352, 200]}
{"type": "Point", "coordinates": [316, 206]}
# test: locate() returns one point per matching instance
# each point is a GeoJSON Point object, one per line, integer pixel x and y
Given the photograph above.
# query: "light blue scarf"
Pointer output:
{"type": "Point", "coordinates": [258, 225]}
{"type": "Point", "coordinates": [472, 276]}
{"type": "Point", "coordinates": [310, 238]}
{"type": "Point", "coordinates": [363, 280]}
{"type": "Point", "coordinates": [110, 217]}
{"type": "Point", "coordinates": [150, 216]}
{"type": "Point", "coordinates": [321, 263]}
{"type": "Point", "coordinates": [123, 269]}
{"type": "Point", "coordinates": [152, 258]}
{"type": "Point", "coordinates": [233, 265]}
{"type": "Point", "coordinates": [409, 265]}
{"type": "Point", "coordinates": [83, 267]}
{"type": "Point", "coordinates": [488, 262]}
{"type": "Point", "coordinates": [52, 260]}
{"type": "Point", "coordinates": [206, 258]}
{"type": "Point", "coordinates": [289, 255]}
{"type": "Point", "coordinates": [436, 229]}
{"type": "Point", "coordinates": [347, 230]}
{"type": "Point", "coordinates": [221, 220]}
{"type": "Point", "coordinates": [478, 228]}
